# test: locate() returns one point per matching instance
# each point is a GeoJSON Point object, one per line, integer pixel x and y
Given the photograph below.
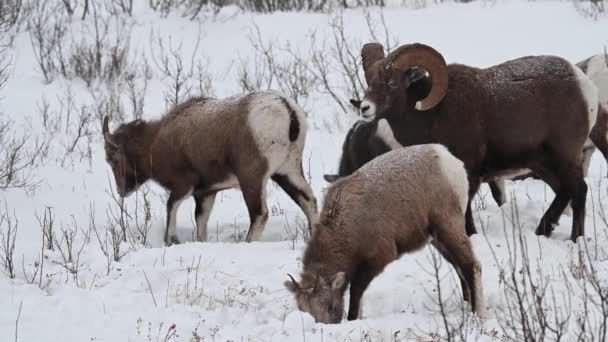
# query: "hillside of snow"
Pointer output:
{"type": "Point", "coordinates": [226, 289]}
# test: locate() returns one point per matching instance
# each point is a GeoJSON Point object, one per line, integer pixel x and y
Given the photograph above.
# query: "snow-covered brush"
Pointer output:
{"type": "Point", "coordinates": [395, 204]}
{"type": "Point", "coordinates": [203, 146]}
{"type": "Point", "coordinates": [531, 113]}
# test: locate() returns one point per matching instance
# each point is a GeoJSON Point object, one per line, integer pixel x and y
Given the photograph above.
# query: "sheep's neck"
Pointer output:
{"type": "Point", "coordinates": [408, 137]}
{"type": "Point", "coordinates": [144, 151]}
{"type": "Point", "coordinates": [327, 254]}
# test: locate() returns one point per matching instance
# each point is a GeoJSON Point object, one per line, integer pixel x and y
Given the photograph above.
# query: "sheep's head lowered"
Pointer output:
{"type": "Point", "coordinates": [322, 298]}
{"type": "Point", "coordinates": [121, 150]}
{"type": "Point", "coordinates": [389, 77]}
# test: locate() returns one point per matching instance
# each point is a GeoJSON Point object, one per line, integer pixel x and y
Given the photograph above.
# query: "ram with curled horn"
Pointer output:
{"type": "Point", "coordinates": [531, 115]}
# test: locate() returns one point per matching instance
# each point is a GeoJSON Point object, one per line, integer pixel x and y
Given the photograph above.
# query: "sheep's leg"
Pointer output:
{"type": "Point", "coordinates": [469, 222]}
{"type": "Point", "coordinates": [204, 205]}
{"type": "Point", "coordinates": [175, 199]}
{"type": "Point", "coordinates": [358, 284]}
{"type": "Point", "coordinates": [569, 185]}
{"type": "Point", "coordinates": [254, 193]}
{"type": "Point", "coordinates": [466, 291]}
{"type": "Point", "coordinates": [497, 187]}
{"type": "Point", "coordinates": [295, 185]}
{"type": "Point", "coordinates": [573, 183]}
{"type": "Point", "coordinates": [579, 200]}
{"type": "Point", "coordinates": [587, 154]}
{"type": "Point", "coordinates": [457, 247]}
{"type": "Point", "coordinates": [551, 216]}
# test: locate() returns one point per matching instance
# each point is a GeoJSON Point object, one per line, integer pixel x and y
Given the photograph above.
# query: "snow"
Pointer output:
{"type": "Point", "coordinates": [227, 290]}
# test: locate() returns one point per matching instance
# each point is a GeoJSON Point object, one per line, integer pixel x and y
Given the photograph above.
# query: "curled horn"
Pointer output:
{"type": "Point", "coordinates": [295, 283]}
{"type": "Point", "coordinates": [370, 54]}
{"type": "Point", "coordinates": [425, 57]}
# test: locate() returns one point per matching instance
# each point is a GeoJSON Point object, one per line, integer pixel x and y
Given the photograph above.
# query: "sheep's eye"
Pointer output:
{"type": "Point", "coordinates": [393, 84]}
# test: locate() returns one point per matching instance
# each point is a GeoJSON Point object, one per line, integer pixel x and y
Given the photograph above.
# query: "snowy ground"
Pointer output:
{"type": "Point", "coordinates": [226, 290]}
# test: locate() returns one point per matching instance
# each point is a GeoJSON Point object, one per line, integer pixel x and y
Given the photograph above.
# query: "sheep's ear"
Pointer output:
{"type": "Point", "coordinates": [291, 284]}
{"type": "Point", "coordinates": [107, 136]}
{"type": "Point", "coordinates": [414, 75]}
{"type": "Point", "coordinates": [338, 280]}
{"type": "Point", "coordinates": [330, 178]}
{"type": "Point", "coordinates": [355, 103]}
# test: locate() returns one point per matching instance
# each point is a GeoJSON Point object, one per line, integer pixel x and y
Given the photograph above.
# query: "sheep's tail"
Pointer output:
{"type": "Point", "coordinates": [297, 119]}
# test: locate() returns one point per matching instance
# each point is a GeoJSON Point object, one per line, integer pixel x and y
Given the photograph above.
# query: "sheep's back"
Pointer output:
{"type": "Point", "coordinates": [394, 197]}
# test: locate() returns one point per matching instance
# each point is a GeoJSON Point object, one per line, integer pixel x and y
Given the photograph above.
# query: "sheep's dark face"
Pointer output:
{"type": "Point", "coordinates": [119, 156]}
{"type": "Point", "coordinates": [388, 78]}
{"type": "Point", "coordinates": [322, 299]}
{"type": "Point", "coordinates": [384, 89]}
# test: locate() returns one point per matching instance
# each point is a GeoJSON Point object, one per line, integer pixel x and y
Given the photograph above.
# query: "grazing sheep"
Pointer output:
{"type": "Point", "coordinates": [532, 113]}
{"type": "Point", "coordinates": [203, 146]}
{"type": "Point", "coordinates": [596, 68]}
{"type": "Point", "coordinates": [395, 204]}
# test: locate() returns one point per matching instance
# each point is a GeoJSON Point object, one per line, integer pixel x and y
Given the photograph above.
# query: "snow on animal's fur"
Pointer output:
{"type": "Point", "coordinates": [596, 69]}
{"type": "Point", "coordinates": [395, 204]}
{"type": "Point", "coordinates": [532, 113]}
{"type": "Point", "coordinates": [203, 146]}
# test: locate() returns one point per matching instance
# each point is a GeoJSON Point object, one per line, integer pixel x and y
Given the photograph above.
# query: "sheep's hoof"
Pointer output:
{"type": "Point", "coordinates": [172, 241]}
{"type": "Point", "coordinates": [544, 229]}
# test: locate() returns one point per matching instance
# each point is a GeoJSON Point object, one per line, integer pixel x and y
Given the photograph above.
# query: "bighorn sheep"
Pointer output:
{"type": "Point", "coordinates": [596, 68]}
{"type": "Point", "coordinates": [203, 146]}
{"type": "Point", "coordinates": [532, 113]}
{"type": "Point", "coordinates": [360, 146]}
{"type": "Point", "coordinates": [395, 204]}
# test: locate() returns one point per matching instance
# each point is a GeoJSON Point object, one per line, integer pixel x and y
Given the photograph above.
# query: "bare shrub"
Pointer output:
{"type": "Point", "coordinates": [455, 321]}
{"type": "Point", "coordinates": [107, 100]}
{"type": "Point", "coordinates": [126, 6]}
{"type": "Point", "coordinates": [591, 8]}
{"type": "Point", "coordinates": [58, 51]}
{"type": "Point", "coordinates": [47, 226]}
{"type": "Point", "coordinates": [182, 77]}
{"type": "Point", "coordinates": [70, 256]}
{"type": "Point", "coordinates": [47, 31]}
{"type": "Point", "coordinates": [268, 6]}
{"type": "Point", "coordinates": [532, 311]}
{"type": "Point", "coordinates": [187, 8]}
{"type": "Point", "coordinates": [69, 6]}
{"type": "Point", "coordinates": [19, 154]}
{"type": "Point", "coordinates": [289, 73]}
{"type": "Point", "coordinates": [142, 217]}
{"type": "Point", "coordinates": [106, 56]}
{"type": "Point", "coordinates": [330, 65]}
{"type": "Point", "coordinates": [137, 86]}
{"type": "Point", "coordinates": [71, 124]}
{"type": "Point", "coordinates": [110, 237]}
{"type": "Point", "coordinates": [10, 11]}
{"type": "Point", "coordinates": [8, 235]}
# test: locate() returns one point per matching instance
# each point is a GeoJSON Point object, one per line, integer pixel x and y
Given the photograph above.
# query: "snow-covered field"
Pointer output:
{"type": "Point", "coordinates": [227, 290]}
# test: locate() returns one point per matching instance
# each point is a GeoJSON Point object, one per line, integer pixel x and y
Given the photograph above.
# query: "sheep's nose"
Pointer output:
{"type": "Point", "coordinates": [364, 108]}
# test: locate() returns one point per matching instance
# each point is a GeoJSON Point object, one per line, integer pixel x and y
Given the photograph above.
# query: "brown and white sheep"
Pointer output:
{"type": "Point", "coordinates": [532, 113]}
{"type": "Point", "coordinates": [395, 204]}
{"type": "Point", "coordinates": [596, 68]}
{"type": "Point", "coordinates": [204, 145]}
